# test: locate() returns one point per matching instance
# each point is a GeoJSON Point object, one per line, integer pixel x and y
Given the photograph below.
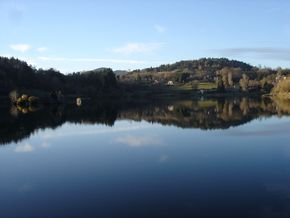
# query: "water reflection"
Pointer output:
{"type": "Point", "coordinates": [220, 113]}
{"type": "Point", "coordinates": [130, 167]}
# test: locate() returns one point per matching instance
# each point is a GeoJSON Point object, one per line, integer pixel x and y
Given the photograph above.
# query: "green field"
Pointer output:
{"type": "Point", "coordinates": [206, 85]}
{"type": "Point", "coordinates": [199, 86]}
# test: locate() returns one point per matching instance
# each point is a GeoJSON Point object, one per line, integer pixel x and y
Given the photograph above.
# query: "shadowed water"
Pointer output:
{"type": "Point", "coordinates": [188, 158]}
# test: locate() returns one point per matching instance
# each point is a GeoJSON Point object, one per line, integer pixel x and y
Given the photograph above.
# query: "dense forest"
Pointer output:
{"type": "Point", "coordinates": [16, 74]}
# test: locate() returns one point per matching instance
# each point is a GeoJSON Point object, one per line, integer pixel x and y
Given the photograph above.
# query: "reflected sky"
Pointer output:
{"type": "Point", "coordinates": [140, 169]}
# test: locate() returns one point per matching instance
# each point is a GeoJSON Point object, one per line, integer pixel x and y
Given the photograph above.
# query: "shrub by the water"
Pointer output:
{"type": "Point", "coordinates": [283, 86]}
{"type": "Point", "coordinates": [26, 101]}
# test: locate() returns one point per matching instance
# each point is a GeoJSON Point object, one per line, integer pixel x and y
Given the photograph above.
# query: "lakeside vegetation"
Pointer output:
{"type": "Point", "coordinates": [206, 76]}
{"type": "Point", "coordinates": [282, 89]}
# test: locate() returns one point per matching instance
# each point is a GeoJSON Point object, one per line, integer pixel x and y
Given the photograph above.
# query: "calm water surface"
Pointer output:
{"type": "Point", "coordinates": [210, 158]}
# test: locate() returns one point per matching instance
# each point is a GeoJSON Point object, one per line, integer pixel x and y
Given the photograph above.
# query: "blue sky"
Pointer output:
{"type": "Point", "coordinates": [126, 34]}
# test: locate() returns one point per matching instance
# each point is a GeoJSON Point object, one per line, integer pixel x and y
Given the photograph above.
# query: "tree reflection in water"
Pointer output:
{"type": "Point", "coordinates": [17, 124]}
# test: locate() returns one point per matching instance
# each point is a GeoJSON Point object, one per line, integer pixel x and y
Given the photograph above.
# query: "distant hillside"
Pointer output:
{"type": "Point", "coordinates": [202, 69]}
{"type": "Point", "coordinates": [204, 64]}
{"type": "Point", "coordinates": [97, 70]}
{"type": "Point", "coordinates": [209, 73]}
{"type": "Point", "coordinates": [116, 72]}
{"type": "Point", "coordinates": [120, 72]}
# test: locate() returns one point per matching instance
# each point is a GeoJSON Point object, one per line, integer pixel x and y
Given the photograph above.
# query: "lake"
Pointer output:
{"type": "Point", "coordinates": [188, 158]}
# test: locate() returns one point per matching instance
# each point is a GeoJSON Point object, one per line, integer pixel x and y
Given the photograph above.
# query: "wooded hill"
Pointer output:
{"type": "Point", "coordinates": [17, 74]}
{"type": "Point", "coordinates": [222, 73]}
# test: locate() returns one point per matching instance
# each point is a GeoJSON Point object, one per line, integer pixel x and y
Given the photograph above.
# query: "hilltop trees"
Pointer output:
{"type": "Point", "coordinates": [204, 64]}
{"type": "Point", "coordinates": [92, 82]}
{"type": "Point", "coordinates": [16, 74]}
{"type": "Point", "coordinates": [202, 69]}
{"type": "Point", "coordinates": [205, 69]}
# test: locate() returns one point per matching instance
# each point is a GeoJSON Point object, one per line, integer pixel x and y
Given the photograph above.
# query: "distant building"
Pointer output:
{"type": "Point", "coordinates": [171, 108]}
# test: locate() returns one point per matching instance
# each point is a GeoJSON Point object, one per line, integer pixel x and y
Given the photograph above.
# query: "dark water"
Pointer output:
{"type": "Point", "coordinates": [206, 158]}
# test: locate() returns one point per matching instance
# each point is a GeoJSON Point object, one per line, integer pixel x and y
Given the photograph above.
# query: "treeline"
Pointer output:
{"type": "Point", "coordinates": [16, 74]}
{"type": "Point", "coordinates": [202, 69]}
{"type": "Point", "coordinates": [220, 74]}
{"type": "Point", "coordinates": [203, 64]}
{"type": "Point", "coordinates": [228, 75]}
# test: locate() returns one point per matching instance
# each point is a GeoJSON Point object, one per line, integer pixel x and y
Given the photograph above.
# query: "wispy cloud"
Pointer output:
{"type": "Point", "coordinates": [20, 47]}
{"type": "Point", "coordinates": [134, 47]}
{"type": "Point", "coordinates": [41, 49]}
{"type": "Point", "coordinates": [138, 141]}
{"type": "Point", "coordinates": [94, 131]}
{"type": "Point", "coordinates": [159, 28]}
{"type": "Point", "coordinates": [73, 64]}
{"type": "Point", "coordinates": [25, 148]}
{"type": "Point", "coordinates": [44, 145]}
{"type": "Point", "coordinates": [270, 53]}
{"type": "Point", "coordinates": [97, 60]}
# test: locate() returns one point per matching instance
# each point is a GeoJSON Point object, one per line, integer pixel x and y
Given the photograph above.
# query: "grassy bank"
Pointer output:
{"type": "Point", "coordinates": [178, 90]}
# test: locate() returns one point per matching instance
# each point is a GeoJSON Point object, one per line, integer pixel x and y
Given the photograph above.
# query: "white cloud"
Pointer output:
{"type": "Point", "coordinates": [98, 60]}
{"type": "Point", "coordinates": [20, 47]}
{"type": "Point", "coordinates": [24, 148]}
{"type": "Point", "coordinates": [138, 141]}
{"type": "Point", "coordinates": [159, 28]}
{"type": "Point", "coordinates": [41, 49]}
{"type": "Point", "coordinates": [93, 131]}
{"type": "Point", "coordinates": [133, 47]}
